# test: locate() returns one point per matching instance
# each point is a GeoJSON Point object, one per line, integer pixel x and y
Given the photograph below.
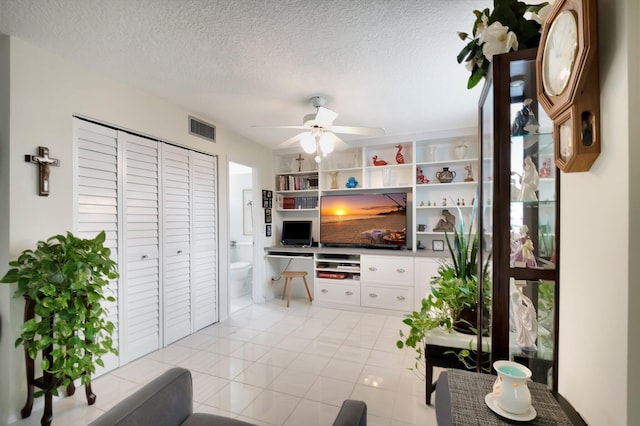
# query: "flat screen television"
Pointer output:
{"type": "Point", "coordinates": [364, 220]}
{"type": "Point", "coordinates": [296, 233]}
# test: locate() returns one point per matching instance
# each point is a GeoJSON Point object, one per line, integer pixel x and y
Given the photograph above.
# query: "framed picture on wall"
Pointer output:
{"type": "Point", "coordinates": [268, 230]}
{"type": "Point", "coordinates": [267, 215]}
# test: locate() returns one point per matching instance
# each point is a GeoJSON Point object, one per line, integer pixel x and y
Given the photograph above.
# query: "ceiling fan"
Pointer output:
{"type": "Point", "coordinates": [319, 132]}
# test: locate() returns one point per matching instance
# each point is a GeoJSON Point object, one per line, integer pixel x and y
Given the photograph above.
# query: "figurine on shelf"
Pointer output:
{"type": "Point", "coordinates": [525, 121]}
{"type": "Point", "coordinates": [447, 224]}
{"type": "Point", "coordinates": [469, 171]}
{"type": "Point", "coordinates": [421, 203]}
{"type": "Point", "coordinates": [525, 322]}
{"type": "Point", "coordinates": [377, 162]}
{"type": "Point", "coordinates": [522, 250]}
{"type": "Point", "coordinates": [351, 182]}
{"type": "Point", "coordinates": [444, 201]}
{"type": "Point", "coordinates": [399, 156]}
{"type": "Point", "coordinates": [529, 181]}
{"type": "Point", "coordinates": [420, 177]}
{"type": "Point", "coordinates": [545, 170]}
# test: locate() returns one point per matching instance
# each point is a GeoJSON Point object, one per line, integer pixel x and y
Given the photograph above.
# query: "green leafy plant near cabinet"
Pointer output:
{"type": "Point", "coordinates": [454, 290]}
{"type": "Point", "coordinates": [66, 277]}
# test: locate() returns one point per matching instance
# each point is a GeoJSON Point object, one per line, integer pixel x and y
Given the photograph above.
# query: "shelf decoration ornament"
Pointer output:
{"type": "Point", "coordinates": [399, 156]}
{"type": "Point", "coordinates": [502, 30]}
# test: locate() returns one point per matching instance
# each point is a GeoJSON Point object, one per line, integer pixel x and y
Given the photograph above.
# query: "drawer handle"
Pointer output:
{"type": "Point", "coordinates": [179, 251]}
{"type": "Point", "coordinates": [402, 271]}
{"type": "Point", "coordinates": [144, 256]}
{"type": "Point", "coordinates": [348, 293]}
{"type": "Point", "coordinates": [373, 295]}
{"type": "Point", "coordinates": [324, 290]}
{"type": "Point", "coordinates": [373, 268]}
{"type": "Point", "coordinates": [401, 298]}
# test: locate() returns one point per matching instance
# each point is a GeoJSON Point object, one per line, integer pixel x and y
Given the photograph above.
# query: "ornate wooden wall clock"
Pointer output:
{"type": "Point", "coordinates": [568, 82]}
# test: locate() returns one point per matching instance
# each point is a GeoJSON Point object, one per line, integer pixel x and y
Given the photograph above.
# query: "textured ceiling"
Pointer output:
{"type": "Point", "coordinates": [238, 63]}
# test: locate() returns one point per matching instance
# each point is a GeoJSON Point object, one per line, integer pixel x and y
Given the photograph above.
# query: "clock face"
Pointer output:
{"type": "Point", "coordinates": [559, 53]}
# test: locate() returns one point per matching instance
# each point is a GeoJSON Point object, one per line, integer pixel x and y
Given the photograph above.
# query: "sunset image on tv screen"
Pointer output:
{"type": "Point", "coordinates": [362, 219]}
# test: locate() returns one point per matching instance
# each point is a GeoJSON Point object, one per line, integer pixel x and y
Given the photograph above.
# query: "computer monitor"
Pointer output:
{"type": "Point", "coordinates": [296, 233]}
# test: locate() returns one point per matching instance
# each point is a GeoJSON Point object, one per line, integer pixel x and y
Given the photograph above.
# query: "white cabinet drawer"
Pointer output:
{"type": "Point", "coordinates": [387, 270]}
{"type": "Point", "coordinates": [397, 298]}
{"type": "Point", "coordinates": [343, 291]}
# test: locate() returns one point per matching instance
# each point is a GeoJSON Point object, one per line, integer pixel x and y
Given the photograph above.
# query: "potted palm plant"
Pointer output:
{"type": "Point", "coordinates": [452, 303]}
{"type": "Point", "coordinates": [65, 279]}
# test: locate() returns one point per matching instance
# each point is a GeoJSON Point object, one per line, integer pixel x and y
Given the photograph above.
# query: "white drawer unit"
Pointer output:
{"type": "Point", "coordinates": [345, 292]}
{"type": "Point", "coordinates": [393, 297]}
{"type": "Point", "coordinates": [387, 270]}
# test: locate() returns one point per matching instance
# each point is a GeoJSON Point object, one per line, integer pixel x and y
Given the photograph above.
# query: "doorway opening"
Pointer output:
{"type": "Point", "coordinates": [241, 236]}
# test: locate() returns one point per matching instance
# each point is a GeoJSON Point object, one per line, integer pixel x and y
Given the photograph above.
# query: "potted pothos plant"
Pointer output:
{"type": "Point", "coordinates": [66, 279]}
{"type": "Point", "coordinates": [452, 303]}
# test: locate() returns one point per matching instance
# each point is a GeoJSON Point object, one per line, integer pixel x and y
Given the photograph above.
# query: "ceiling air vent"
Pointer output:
{"type": "Point", "coordinates": [202, 129]}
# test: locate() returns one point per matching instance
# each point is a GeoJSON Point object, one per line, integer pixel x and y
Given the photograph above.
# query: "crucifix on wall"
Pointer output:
{"type": "Point", "coordinates": [44, 162]}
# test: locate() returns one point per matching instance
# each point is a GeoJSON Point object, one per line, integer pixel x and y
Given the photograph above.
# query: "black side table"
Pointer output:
{"type": "Point", "coordinates": [460, 401]}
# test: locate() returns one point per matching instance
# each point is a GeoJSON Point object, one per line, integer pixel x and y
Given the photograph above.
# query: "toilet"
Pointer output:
{"type": "Point", "coordinates": [240, 279]}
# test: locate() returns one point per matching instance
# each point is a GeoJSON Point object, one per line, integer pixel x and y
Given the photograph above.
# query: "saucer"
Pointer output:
{"type": "Point", "coordinates": [492, 402]}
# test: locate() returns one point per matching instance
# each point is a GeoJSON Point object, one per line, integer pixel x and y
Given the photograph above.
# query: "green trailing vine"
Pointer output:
{"type": "Point", "coordinates": [66, 277]}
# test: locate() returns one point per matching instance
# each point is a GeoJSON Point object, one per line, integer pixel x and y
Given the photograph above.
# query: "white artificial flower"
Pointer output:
{"type": "Point", "coordinates": [482, 25]}
{"type": "Point", "coordinates": [496, 39]}
{"type": "Point", "coordinates": [541, 16]}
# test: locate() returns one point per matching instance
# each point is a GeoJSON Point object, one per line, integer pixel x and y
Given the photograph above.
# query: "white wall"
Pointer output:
{"type": "Point", "coordinates": [45, 92]}
{"type": "Point", "coordinates": [599, 234]}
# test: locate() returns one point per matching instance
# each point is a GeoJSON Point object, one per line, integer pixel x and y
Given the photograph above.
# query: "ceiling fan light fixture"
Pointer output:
{"type": "Point", "coordinates": [326, 143]}
{"type": "Point", "coordinates": [308, 143]}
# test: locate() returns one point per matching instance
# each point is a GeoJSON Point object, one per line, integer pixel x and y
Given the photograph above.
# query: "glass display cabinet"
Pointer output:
{"type": "Point", "coordinates": [518, 219]}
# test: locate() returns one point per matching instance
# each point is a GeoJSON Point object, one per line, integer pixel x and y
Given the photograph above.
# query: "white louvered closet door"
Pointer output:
{"type": "Point", "coordinates": [204, 252]}
{"type": "Point", "coordinates": [141, 265]}
{"type": "Point", "coordinates": [176, 190]}
{"type": "Point", "coordinates": [97, 202]}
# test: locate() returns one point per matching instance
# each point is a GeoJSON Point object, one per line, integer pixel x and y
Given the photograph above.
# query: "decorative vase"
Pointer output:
{"type": "Point", "coordinates": [460, 151]}
{"type": "Point", "coordinates": [445, 175]}
{"type": "Point", "coordinates": [386, 177]}
{"type": "Point", "coordinates": [334, 180]}
{"type": "Point", "coordinates": [510, 388]}
{"type": "Point", "coordinates": [431, 153]}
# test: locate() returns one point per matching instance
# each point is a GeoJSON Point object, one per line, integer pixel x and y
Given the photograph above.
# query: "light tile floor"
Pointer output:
{"type": "Point", "coordinates": [272, 365]}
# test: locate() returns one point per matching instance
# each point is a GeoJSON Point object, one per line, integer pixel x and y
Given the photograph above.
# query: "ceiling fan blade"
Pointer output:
{"type": "Point", "coordinates": [325, 117]}
{"type": "Point", "coordinates": [283, 127]}
{"type": "Point", "coordinates": [352, 130]}
{"type": "Point", "coordinates": [338, 143]}
{"type": "Point", "coordinates": [291, 141]}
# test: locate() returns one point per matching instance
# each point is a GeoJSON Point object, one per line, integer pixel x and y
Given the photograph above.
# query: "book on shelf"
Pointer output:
{"type": "Point", "coordinates": [310, 202]}
{"type": "Point", "coordinates": [332, 275]}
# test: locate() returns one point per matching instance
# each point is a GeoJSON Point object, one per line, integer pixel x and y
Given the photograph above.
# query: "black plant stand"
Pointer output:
{"type": "Point", "coordinates": [47, 381]}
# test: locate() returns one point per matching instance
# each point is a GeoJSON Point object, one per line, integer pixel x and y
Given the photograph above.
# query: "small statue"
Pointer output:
{"type": "Point", "coordinates": [444, 201]}
{"type": "Point", "coordinates": [525, 121]}
{"type": "Point", "coordinates": [526, 324]}
{"type": "Point", "coordinates": [458, 202]}
{"type": "Point", "coordinates": [351, 182]}
{"type": "Point", "coordinates": [545, 170]}
{"type": "Point", "coordinates": [529, 181]}
{"type": "Point", "coordinates": [377, 162]}
{"type": "Point", "coordinates": [420, 177]}
{"type": "Point", "coordinates": [421, 203]}
{"type": "Point", "coordinates": [447, 224]}
{"type": "Point", "coordinates": [399, 156]}
{"type": "Point", "coordinates": [469, 171]}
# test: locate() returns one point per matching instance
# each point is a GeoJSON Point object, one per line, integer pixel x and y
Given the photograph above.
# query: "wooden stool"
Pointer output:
{"type": "Point", "coordinates": [288, 277]}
